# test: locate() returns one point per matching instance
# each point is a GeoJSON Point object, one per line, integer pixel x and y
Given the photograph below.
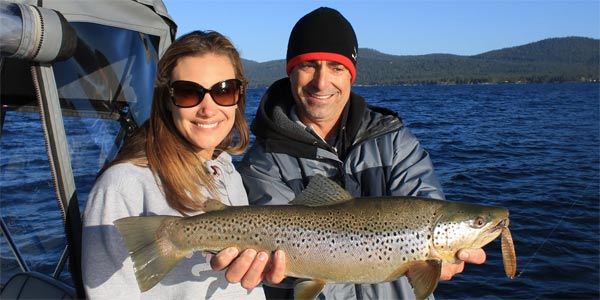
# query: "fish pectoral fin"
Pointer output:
{"type": "Point", "coordinates": [424, 276]}
{"type": "Point", "coordinates": [307, 288]}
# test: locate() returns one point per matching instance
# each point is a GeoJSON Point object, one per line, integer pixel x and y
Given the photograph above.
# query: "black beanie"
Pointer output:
{"type": "Point", "coordinates": [323, 34]}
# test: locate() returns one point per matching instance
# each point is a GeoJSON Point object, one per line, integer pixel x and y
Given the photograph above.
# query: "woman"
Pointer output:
{"type": "Point", "coordinates": [179, 158]}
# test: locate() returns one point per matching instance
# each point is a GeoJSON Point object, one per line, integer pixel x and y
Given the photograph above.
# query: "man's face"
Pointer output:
{"type": "Point", "coordinates": [321, 89]}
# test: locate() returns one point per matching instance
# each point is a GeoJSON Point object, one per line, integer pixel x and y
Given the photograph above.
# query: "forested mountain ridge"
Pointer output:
{"type": "Point", "coordinates": [551, 60]}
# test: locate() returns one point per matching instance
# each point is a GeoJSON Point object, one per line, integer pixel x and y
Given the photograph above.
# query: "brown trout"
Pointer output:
{"type": "Point", "coordinates": [328, 237]}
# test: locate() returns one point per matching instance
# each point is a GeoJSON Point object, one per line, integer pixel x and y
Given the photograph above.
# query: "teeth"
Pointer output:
{"type": "Point", "coordinates": [321, 97]}
{"type": "Point", "coordinates": [208, 126]}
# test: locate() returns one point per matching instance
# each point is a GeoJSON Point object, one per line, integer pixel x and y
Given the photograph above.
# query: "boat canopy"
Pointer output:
{"type": "Point", "coordinates": [77, 78]}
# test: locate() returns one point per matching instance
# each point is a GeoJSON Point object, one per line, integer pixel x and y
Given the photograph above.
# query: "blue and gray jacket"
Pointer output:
{"type": "Point", "coordinates": [373, 155]}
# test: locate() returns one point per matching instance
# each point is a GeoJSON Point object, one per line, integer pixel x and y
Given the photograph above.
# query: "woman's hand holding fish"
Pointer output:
{"type": "Point", "coordinates": [249, 267]}
{"type": "Point", "coordinates": [473, 256]}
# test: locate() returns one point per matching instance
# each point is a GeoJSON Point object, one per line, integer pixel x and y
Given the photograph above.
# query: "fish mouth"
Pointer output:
{"type": "Point", "coordinates": [491, 233]}
{"type": "Point", "coordinates": [501, 225]}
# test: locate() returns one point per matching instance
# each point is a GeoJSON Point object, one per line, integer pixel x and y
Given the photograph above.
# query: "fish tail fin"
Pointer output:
{"type": "Point", "coordinates": [153, 255]}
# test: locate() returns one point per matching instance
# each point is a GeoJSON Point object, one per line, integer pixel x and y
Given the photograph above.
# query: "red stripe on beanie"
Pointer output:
{"type": "Point", "coordinates": [322, 56]}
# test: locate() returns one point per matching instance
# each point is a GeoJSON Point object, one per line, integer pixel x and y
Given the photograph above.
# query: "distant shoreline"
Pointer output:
{"type": "Point", "coordinates": [554, 60]}
{"type": "Point", "coordinates": [476, 83]}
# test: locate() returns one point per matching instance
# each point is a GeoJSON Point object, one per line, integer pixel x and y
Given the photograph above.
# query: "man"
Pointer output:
{"type": "Point", "coordinates": [311, 123]}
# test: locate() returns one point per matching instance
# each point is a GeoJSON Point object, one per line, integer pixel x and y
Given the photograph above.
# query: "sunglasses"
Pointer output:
{"type": "Point", "coordinates": [187, 94]}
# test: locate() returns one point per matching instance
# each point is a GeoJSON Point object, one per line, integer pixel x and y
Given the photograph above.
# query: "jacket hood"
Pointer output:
{"type": "Point", "coordinates": [272, 121]}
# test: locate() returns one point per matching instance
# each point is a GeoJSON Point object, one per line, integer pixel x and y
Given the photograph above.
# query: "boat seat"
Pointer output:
{"type": "Point", "coordinates": [34, 285]}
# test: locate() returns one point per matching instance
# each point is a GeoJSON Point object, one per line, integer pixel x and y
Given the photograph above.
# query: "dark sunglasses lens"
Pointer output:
{"type": "Point", "coordinates": [226, 93]}
{"type": "Point", "coordinates": [185, 94]}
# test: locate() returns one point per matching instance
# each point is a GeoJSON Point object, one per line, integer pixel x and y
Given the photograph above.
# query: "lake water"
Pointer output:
{"type": "Point", "coordinates": [534, 149]}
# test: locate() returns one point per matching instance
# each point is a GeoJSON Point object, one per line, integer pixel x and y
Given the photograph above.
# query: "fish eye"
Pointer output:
{"type": "Point", "coordinates": [479, 222]}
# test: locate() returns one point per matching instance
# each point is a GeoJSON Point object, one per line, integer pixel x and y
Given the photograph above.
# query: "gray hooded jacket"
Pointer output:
{"type": "Point", "coordinates": [373, 155]}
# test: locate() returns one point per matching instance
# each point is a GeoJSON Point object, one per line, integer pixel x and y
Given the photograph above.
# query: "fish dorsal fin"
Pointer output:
{"type": "Point", "coordinates": [213, 205]}
{"type": "Point", "coordinates": [322, 191]}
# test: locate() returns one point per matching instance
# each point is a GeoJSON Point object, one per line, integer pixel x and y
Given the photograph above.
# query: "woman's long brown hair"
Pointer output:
{"type": "Point", "coordinates": [157, 144]}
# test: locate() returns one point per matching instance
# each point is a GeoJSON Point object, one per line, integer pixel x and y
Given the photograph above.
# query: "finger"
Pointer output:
{"type": "Point", "coordinates": [239, 267]}
{"type": "Point", "coordinates": [255, 273]}
{"type": "Point", "coordinates": [276, 271]}
{"type": "Point", "coordinates": [473, 256]}
{"type": "Point", "coordinates": [223, 258]}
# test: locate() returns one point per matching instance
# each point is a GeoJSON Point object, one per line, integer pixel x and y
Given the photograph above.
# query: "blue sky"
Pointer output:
{"type": "Point", "coordinates": [260, 29]}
